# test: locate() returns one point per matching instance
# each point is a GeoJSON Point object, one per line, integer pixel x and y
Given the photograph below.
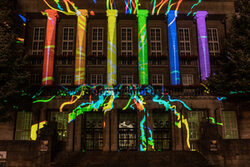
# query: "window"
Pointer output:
{"type": "Point", "coordinates": [127, 131]}
{"type": "Point", "coordinates": [127, 79]}
{"type": "Point", "coordinates": [97, 41]}
{"type": "Point", "coordinates": [155, 62]}
{"type": "Point", "coordinates": [184, 41]}
{"type": "Point", "coordinates": [96, 78]}
{"type": "Point", "coordinates": [36, 79]}
{"type": "Point", "coordinates": [194, 119]}
{"type": "Point", "coordinates": [230, 125]}
{"type": "Point", "coordinates": [155, 41]}
{"type": "Point", "coordinates": [188, 62]}
{"type": "Point", "coordinates": [157, 79]}
{"type": "Point", "coordinates": [23, 125]}
{"type": "Point", "coordinates": [36, 61]}
{"type": "Point", "coordinates": [65, 61]}
{"type": "Point", "coordinates": [162, 131]}
{"type": "Point", "coordinates": [213, 41]}
{"type": "Point", "coordinates": [62, 121]}
{"type": "Point", "coordinates": [93, 131]}
{"type": "Point", "coordinates": [97, 61]}
{"type": "Point", "coordinates": [126, 62]}
{"type": "Point", "coordinates": [68, 40]}
{"type": "Point", "coordinates": [66, 79]}
{"type": "Point", "coordinates": [187, 79]}
{"type": "Point", "coordinates": [38, 41]}
{"type": "Point", "coordinates": [126, 41]}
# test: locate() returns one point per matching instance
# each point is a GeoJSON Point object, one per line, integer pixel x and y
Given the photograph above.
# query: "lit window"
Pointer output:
{"type": "Point", "coordinates": [68, 41]}
{"type": "Point", "coordinates": [66, 79]}
{"type": "Point", "coordinates": [96, 79]}
{"type": "Point", "coordinates": [155, 41]}
{"type": "Point", "coordinates": [126, 41]}
{"type": "Point", "coordinates": [230, 125]}
{"type": "Point", "coordinates": [162, 131]}
{"type": "Point", "coordinates": [213, 41]}
{"type": "Point", "coordinates": [93, 131]}
{"type": "Point", "coordinates": [194, 119]}
{"type": "Point", "coordinates": [187, 79]}
{"type": "Point", "coordinates": [157, 79]}
{"type": "Point", "coordinates": [97, 41]}
{"type": "Point", "coordinates": [38, 41]}
{"type": "Point", "coordinates": [62, 121]}
{"type": "Point", "coordinates": [127, 131]}
{"type": "Point", "coordinates": [127, 79]}
{"type": "Point", "coordinates": [23, 125]}
{"type": "Point", "coordinates": [184, 41]}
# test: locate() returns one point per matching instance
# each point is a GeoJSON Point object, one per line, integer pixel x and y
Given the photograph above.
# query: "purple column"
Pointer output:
{"type": "Point", "coordinates": [203, 44]}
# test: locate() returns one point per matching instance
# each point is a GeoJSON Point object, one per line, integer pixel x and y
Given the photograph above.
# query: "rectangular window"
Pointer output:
{"type": "Point", "coordinates": [230, 125]}
{"type": "Point", "coordinates": [66, 79]}
{"type": "Point", "coordinates": [93, 131]}
{"type": "Point", "coordinates": [126, 41]}
{"type": "Point", "coordinates": [127, 79]}
{"type": "Point", "coordinates": [38, 41]}
{"type": "Point", "coordinates": [36, 79]}
{"type": "Point", "coordinates": [187, 79]}
{"type": "Point", "coordinates": [213, 41]}
{"type": "Point", "coordinates": [155, 41]}
{"type": "Point", "coordinates": [96, 79]}
{"type": "Point", "coordinates": [184, 41]}
{"type": "Point", "coordinates": [162, 131]}
{"type": "Point", "coordinates": [127, 131]}
{"type": "Point", "coordinates": [194, 119]}
{"type": "Point", "coordinates": [68, 41]}
{"type": "Point", "coordinates": [157, 79]}
{"type": "Point", "coordinates": [23, 125]}
{"type": "Point", "coordinates": [62, 121]}
{"type": "Point", "coordinates": [97, 41]}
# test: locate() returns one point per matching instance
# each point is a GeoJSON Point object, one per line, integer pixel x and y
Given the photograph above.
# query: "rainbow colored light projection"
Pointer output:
{"type": "Point", "coordinates": [203, 44]}
{"type": "Point", "coordinates": [173, 49]}
{"type": "Point", "coordinates": [142, 46]}
{"type": "Point", "coordinates": [80, 59]}
{"type": "Point", "coordinates": [111, 51]}
{"type": "Point", "coordinates": [49, 50]}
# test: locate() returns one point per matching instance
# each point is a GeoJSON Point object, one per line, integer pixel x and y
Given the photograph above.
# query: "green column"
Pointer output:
{"type": "Point", "coordinates": [142, 46]}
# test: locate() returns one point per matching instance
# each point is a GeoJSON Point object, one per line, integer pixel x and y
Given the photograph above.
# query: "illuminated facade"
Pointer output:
{"type": "Point", "coordinates": [171, 54]}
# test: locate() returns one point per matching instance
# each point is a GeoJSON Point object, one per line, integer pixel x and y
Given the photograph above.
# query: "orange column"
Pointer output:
{"type": "Point", "coordinates": [49, 50]}
{"type": "Point", "coordinates": [80, 70]}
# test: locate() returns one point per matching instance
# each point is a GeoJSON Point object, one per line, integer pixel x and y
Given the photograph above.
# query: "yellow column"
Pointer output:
{"type": "Point", "coordinates": [112, 55]}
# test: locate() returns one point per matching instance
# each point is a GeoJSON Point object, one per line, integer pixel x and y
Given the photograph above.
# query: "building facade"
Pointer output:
{"type": "Point", "coordinates": [55, 44]}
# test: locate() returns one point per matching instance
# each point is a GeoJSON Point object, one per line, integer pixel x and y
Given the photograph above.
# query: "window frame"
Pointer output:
{"type": "Point", "coordinates": [157, 78]}
{"type": "Point", "coordinates": [26, 116]}
{"type": "Point", "coordinates": [61, 129]}
{"type": "Point", "coordinates": [127, 78]}
{"type": "Point", "coordinates": [67, 76]}
{"type": "Point", "coordinates": [68, 40]}
{"type": "Point", "coordinates": [126, 41]}
{"type": "Point", "coordinates": [96, 78]}
{"type": "Point", "coordinates": [231, 129]}
{"type": "Point", "coordinates": [213, 40]}
{"type": "Point", "coordinates": [184, 41]}
{"type": "Point", "coordinates": [97, 51]}
{"type": "Point", "coordinates": [38, 52]}
{"type": "Point", "coordinates": [199, 117]}
{"type": "Point", "coordinates": [188, 77]}
{"type": "Point", "coordinates": [156, 52]}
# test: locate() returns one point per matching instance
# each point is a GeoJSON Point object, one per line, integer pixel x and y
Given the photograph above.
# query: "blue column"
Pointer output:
{"type": "Point", "coordinates": [173, 48]}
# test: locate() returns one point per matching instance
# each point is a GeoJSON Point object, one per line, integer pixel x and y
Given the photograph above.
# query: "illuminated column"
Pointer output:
{"type": "Point", "coordinates": [112, 56]}
{"type": "Point", "coordinates": [80, 59]}
{"type": "Point", "coordinates": [142, 47]}
{"type": "Point", "coordinates": [203, 44]}
{"type": "Point", "coordinates": [49, 50]}
{"type": "Point", "coordinates": [173, 48]}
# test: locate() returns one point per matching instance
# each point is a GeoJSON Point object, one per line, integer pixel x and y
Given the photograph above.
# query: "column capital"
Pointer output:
{"type": "Point", "coordinates": [200, 14]}
{"type": "Point", "coordinates": [52, 13]}
{"type": "Point", "coordinates": [142, 13]}
{"type": "Point", "coordinates": [83, 12]}
{"type": "Point", "coordinates": [112, 12]}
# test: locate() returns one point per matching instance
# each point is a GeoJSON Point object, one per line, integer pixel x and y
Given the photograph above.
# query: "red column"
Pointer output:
{"type": "Point", "coordinates": [49, 49]}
